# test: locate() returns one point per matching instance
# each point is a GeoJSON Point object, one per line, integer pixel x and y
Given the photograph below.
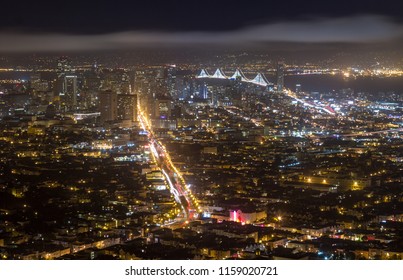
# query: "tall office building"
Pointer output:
{"type": "Point", "coordinates": [203, 91]}
{"type": "Point", "coordinates": [280, 76]}
{"type": "Point", "coordinates": [171, 80]}
{"type": "Point", "coordinates": [117, 80]}
{"type": "Point", "coordinates": [64, 66]}
{"type": "Point", "coordinates": [68, 96]}
{"type": "Point", "coordinates": [127, 107]}
{"type": "Point", "coordinates": [108, 105]}
{"type": "Point", "coordinates": [40, 88]}
{"type": "Point", "coordinates": [91, 87]}
{"type": "Point", "coordinates": [67, 88]}
{"type": "Point", "coordinates": [144, 87]}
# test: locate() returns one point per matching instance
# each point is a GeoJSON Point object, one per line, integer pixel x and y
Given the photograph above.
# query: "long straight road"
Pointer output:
{"type": "Point", "coordinates": [174, 179]}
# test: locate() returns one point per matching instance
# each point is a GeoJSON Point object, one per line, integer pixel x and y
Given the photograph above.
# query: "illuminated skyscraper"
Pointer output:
{"type": "Point", "coordinates": [280, 76]}
{"type": "Point", "coordinates": [127, 107]}
{"type": "Point", "coordinates": [64, 66]}
{"type": "Point", "coordinates": [68, 96]}
{"type": "Point", "coordinates": [66, 85]}
{"type": "Point", "coordinates": [118, 81]}
{"type": "Point", "coordinates": [203, 92]}
{"type": "Point", "coordinates": [171, 80]}
{"type": "Point", "coordinates": [39, 88]}
{"type": "Point", "coordinates": [108, 105]}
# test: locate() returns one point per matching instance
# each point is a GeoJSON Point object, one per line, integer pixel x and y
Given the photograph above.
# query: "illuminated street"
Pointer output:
{"type": "Point", "coordinates": [177, 185]}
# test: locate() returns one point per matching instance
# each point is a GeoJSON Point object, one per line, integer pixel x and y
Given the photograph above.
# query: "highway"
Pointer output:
{"type": "Point", "coordinates": [293, 95]}
{"type": "Point", "coordinates": [173, 178]}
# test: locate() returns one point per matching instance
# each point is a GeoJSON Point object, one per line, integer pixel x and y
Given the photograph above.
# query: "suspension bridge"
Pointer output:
{"type": "Point", "coordinates": [259, 80]}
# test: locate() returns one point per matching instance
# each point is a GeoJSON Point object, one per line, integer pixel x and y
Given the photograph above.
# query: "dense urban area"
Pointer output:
{"type": "Point", "coordinates": [222, 159]}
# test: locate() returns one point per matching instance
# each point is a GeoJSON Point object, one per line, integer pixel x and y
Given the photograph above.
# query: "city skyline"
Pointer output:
{"type": "Point", "coordinates": [253, 166]}
{"type": "Point", "coordinates": [171, 130]}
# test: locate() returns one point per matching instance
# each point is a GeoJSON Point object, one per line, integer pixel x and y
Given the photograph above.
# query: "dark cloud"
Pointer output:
{"type": "Point", "coordinates": [106, 16]}
{"type": "Point", "coordinates": [353, 29]}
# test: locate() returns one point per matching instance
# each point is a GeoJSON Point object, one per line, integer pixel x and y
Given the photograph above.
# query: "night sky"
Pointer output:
{"type": "Point", "coordinates": [75, 25]}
